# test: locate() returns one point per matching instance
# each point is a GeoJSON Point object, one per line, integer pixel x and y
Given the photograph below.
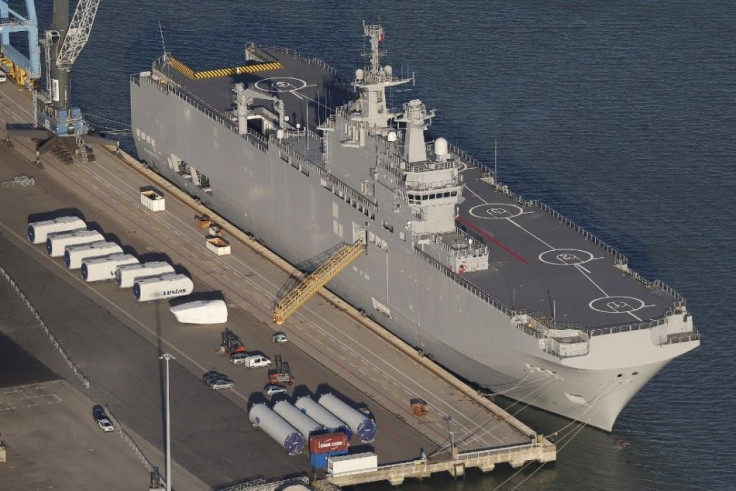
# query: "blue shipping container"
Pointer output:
{"type": "Point", "coordinates": [319, 460]}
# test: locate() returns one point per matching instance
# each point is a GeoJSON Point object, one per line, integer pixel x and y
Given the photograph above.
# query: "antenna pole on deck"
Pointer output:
{"type": "Point", "coordinates": [495, 159]}
{"type": "Point", "coordinates": [161, 31]}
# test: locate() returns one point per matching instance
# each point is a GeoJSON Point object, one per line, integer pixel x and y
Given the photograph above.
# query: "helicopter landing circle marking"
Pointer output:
{"type": "Point", "coordinates": [565, 257]}
{"type": "Point", "coordinates": [616, 304]}
{"type": "Point", "coordinates": [496, 211]}
{"type": "Point", "coordinates": [276, 85]}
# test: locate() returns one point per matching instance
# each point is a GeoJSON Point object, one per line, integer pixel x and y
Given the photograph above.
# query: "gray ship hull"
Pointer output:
{"type": "Point", "coordinates": [256, 186]}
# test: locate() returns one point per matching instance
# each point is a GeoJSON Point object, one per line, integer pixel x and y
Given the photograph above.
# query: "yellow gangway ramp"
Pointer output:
{"type": "Point", "coordinates": [312, 283]}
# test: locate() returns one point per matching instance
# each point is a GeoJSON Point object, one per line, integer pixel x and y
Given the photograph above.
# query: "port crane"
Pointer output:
{"type": "Point", "coordinates": [58, 125]}
{"type": "Point", "coordinates": [20, 67]}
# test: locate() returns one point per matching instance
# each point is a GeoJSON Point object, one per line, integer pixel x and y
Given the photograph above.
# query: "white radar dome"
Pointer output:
{"type": "Point", "coordinates": [280, 134]}
{"type": "Point", "coordinates": [359, 74]}
{"type": "Point", "coordinates": [391, 136]}
{"type": "Point", "coordinates": [440, 146]}
{"type": "Point", "coordinates": [388, 70]}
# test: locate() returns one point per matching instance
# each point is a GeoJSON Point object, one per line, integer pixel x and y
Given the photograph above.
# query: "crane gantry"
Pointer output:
{"type": "Point", "coordinates": [55, 119]}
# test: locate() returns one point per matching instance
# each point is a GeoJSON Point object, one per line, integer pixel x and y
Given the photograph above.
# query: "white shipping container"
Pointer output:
{"type": "Point", "coordinates": [218, 245]}
{"type": "Point", "coordinates": [126, 275]}
{"type": "Point", "coordinates": [103, 268]}
{"type": "Point", "coordinates": [169, 285]}
{"type": "Point", "coordinates": [38, 232]}
{"type": "Point", "coordinates": [76, 254]}
{"type": "Point", "coordinates": [153, 201]}
{"type": "Point", "coordinates": [341, 464]}
{"type": "Point", "coordinates": [57, 243]}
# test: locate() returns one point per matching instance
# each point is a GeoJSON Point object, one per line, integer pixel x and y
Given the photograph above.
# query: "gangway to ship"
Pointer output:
{"type": "Point", "coordinates": [319, 278]}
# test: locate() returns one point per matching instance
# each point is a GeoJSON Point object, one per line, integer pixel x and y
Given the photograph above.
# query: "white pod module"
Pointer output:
{"type": "Point", "coordinates": [297, 419]}
{"type": "Point", "coordinates": [153, 201]}
{"type": "Point", "coordinates": [38, 232]}
{"type": "Point", "coordinates": [126, 275]}
{"type": "Point", "coordinates": [169, 285]}
{"type": "Point", "coordinates": [201, 312]}
{"type": "Point", "coordinates": [57, 243]}
{"type": "Point", "coordinates": [103, 268]}
{"type": "Point", "coordinates": [76, 254]}
{"type": "Point", "coordinates": [278, 429]}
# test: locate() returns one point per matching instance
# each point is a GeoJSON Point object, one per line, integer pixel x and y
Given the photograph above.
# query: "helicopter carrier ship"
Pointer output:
{"type": "Point", "coordinates": [504, 291]}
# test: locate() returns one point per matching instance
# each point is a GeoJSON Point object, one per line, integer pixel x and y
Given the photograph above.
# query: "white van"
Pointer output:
{"type": "Point", "coordinates": [3, 77]}
{"type": "Point", "coordinates": [254, 361]}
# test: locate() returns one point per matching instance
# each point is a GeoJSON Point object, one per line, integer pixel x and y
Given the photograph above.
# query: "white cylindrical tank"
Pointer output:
{"type": "Point", "coordinates": [359, 423]}
{"type": "Point", "coordinates": [332, 423]}
{"type": "Point", "coordinates": [169, 285]}
{"type": "Point", "coordinates": [38, 232]}
{"type": "Point", "coordinates": [278, 429]}
{"type": "Point", "coordinates": [441, 147]}
{"type": "Point", "coordinates": [126, 275]}
{"type": "Point", "coordinates": [297, 419]}
{"type": "Point", "coordinates": [103, 268]}
{"type": "Point", "coordinates": [74, 255]}
{"type": "Point", "coordinates": [57, 243]}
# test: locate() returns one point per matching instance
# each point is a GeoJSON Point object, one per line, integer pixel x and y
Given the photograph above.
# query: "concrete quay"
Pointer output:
{"type": "Point", "coordinates": [331, 344]}
{"type": "Point", "coordinates": [485, 460]}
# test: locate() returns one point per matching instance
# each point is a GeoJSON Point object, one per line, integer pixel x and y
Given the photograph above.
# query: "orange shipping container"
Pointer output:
{"type": "Point", "coordinates": [328, 442]}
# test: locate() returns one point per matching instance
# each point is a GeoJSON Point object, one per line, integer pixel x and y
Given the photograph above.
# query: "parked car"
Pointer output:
{"type": "Point", "coordinates": [274, 389]}
{"type": "Point", "coordinates": [3, 77]}
{"type": "Point", "coordinates": [105, 425]}
{"type": "Point", "coordinates": [256, 361]}
{"type": "Point", "coordinates": [222, 383]}
{"type": "Point", "coordinates": [212, 375]}
{"type": "Point", "coordinates": [238, 358]}
{"type": "Point", "coordinates": [280, 337]}
{"type": "Point", "coordinates": [100, 417]}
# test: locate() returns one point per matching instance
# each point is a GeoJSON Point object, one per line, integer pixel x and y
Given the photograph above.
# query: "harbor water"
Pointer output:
{"type": "Point", "coordinates": [618, 114]}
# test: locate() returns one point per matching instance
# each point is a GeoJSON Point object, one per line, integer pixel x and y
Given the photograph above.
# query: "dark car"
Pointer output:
{"type": "Point", "coordinates": [212, 375]}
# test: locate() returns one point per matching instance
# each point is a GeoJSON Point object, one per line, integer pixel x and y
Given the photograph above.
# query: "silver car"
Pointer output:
{"type": "Point", "coordinates": [222, 383]}
{"type": "Point", "coordinates": [274, 389]}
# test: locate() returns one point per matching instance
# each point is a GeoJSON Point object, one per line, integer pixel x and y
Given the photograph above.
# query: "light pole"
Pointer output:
{"type": "Point", "coordinates": [166, 357]}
